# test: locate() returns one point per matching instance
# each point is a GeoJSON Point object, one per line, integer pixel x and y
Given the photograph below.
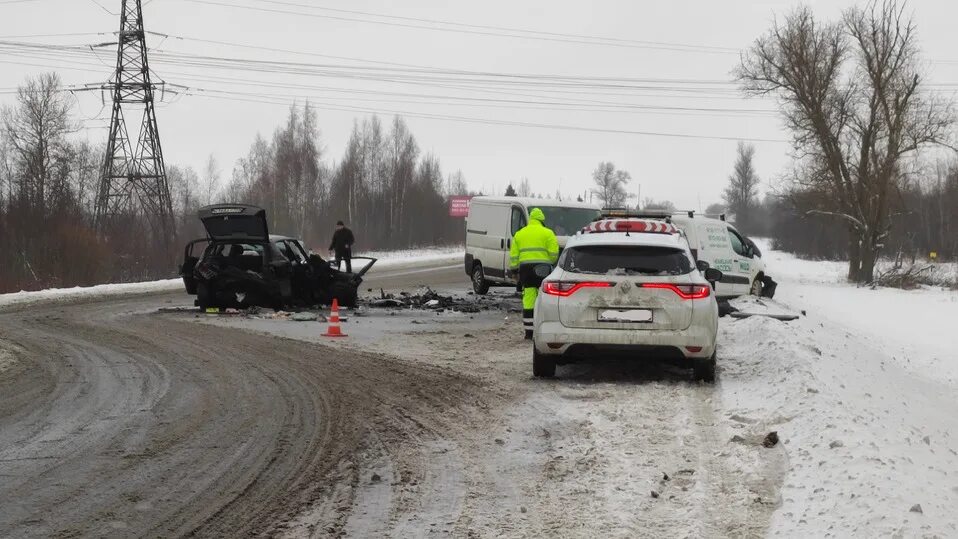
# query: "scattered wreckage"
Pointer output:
{"type": "Point", "coordinates": [241, 265]}
{"type": "Point", "coordinates": [427, 299]}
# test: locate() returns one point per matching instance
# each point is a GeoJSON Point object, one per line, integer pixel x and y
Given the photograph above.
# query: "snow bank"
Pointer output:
{"type": "Point", "coordinates": [862, 393]}
{"type": "Point", "coordinates": [866, 440]}
{"type": "Point", "coordinates": [389, 259]}
{"type": "Point", "coordinates": [917, 328]}
{"type": "Point", "coordinates": [102, 290]}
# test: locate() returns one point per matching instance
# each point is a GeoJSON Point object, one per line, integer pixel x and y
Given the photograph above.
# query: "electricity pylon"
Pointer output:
{"type": "Point", "coordinates": [133, 181]}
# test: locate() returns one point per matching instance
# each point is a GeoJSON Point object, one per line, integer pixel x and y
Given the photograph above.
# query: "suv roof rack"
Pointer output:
{"type": "Point", "coordinates": [625, 213]}
{"type": "Point", "coordinates": [630, 224]}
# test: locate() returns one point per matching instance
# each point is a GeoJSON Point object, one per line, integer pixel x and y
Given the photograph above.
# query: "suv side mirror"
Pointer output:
{"type": "Point", "coordinates": [713, 275]}
{"type": "Point", "coordinates": [701, 265]}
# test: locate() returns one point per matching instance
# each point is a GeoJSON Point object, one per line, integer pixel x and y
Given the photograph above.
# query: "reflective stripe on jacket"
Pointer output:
{"type": "Point", "coordinates": [533, 244]}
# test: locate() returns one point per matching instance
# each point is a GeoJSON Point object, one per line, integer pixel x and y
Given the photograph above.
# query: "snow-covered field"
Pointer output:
{"type": "Point", "coordinates": [390, 259]}
{"type": "Point", "coordinates": [917, 328]}
{"type": "Point", "coordinates": [863, 393]}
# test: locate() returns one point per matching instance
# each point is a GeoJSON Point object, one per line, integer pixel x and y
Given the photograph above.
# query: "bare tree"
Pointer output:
{"type": "Point", "coordinates": [740, 195]}
{"type": "Point", "coordinates": [660, 205]}
{"type": "Point", "coordinates": [525, 188]}
{"type": "Point", "coordinates": [36, 131]}
{"type": "Point", "coordinates": [610, 185]}
{"type": "Point", "coordinates": [211, 179]}
{"type": "Point", "coordinates": [715, 209]}
{"type": "Point", "coordinates": [852, 124]}
{"type": "Point", "coordinates": [456, 184]}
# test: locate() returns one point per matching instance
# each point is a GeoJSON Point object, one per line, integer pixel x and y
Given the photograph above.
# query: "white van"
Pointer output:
{"type": "Point", "coordinates": [493, 221]}
{"type": "Point", "coordinates": [724, 248]}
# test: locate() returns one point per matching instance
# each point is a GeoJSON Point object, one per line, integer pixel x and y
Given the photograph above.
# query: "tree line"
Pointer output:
{"type": "Point", "coordinates": [384, 187]}
{"type": "Point", "coordinates": [923, 213]}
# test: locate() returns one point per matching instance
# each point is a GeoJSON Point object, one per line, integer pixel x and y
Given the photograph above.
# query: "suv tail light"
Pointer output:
{"type": "Point", "coordinates": [567, 288]}
{"type": "Point", "coordinates": [685, 291]}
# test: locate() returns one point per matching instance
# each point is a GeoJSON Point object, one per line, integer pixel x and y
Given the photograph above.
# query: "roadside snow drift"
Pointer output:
{"type": "Point", "coordinates": [862, 393]}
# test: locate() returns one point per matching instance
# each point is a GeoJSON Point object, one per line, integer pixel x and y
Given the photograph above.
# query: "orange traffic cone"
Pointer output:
{"type": "Point", "coordinates": [334, 330]}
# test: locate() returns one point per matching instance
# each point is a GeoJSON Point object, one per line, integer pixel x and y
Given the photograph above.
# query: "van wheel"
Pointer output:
{"type": "Point", "coordinates": [756, 287]}
{"type": "Point", "coordinates": [542, 365]}
{"type": "Point", "coordinates": [703, 369]}
{"type": "Point", "coordinates": [479, 283]}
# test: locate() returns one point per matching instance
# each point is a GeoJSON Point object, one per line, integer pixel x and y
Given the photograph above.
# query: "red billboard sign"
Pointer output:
{"type": "Point", "coordinates": [459, 206]}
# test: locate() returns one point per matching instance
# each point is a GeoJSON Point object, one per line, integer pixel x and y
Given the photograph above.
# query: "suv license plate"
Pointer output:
{"type": "Point", "coordinates": [628, 315]}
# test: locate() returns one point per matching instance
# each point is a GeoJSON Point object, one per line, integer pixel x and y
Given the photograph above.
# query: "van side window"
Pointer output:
{"type": "Point", "coordinates": [518, 220]}
{"type": "Point", "coordinates": [738, 245]}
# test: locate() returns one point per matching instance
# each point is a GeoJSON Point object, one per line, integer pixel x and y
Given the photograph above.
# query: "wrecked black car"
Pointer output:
{"type": "Point", "coordinates": [240, 265]}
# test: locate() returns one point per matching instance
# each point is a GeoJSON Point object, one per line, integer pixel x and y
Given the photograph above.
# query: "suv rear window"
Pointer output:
{"type": "Point", "coordinates": [626, 260]}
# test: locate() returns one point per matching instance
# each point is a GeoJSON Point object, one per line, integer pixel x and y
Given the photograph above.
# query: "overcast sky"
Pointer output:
{"type": "Point", "coordinates": [600, 124]}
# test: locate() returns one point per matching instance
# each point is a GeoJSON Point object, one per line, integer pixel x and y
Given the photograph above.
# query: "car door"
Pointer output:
{"type": "Point", "coordinates": [300, 270]}
{"type": "Point", "coordinates": [517, 220]}
{"type": "Point", "coordinates": [715, 248]}
{"type": "Point", "coordinates": [191, 256]}
{"type": "Point", "coordinates": [740, 275]}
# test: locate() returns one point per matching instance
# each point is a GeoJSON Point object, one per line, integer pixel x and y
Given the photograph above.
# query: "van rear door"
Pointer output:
{"type": "Point", "coordinates": [517, 220]}
{"type": "Point", "coordinates": [486, 229]}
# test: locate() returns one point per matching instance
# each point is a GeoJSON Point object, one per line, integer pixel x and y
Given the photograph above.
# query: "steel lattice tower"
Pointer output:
{"type": "Point", "coordinates": [133, 181]}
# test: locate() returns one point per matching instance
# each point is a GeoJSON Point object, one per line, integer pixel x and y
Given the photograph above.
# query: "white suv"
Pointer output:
{"type": "Point", "coordinates": [627, 287]}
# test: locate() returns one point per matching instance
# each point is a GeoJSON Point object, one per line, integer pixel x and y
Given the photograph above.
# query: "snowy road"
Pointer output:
{"type": "Point", "coordinates": [120, 421]}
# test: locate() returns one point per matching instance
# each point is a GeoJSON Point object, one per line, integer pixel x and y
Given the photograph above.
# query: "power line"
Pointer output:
{"type": "Point", "coordinates": [466, 119]}
{"type": "Point", "coordinates": [682, 46]}
{"type": "Point", "coordinates": [490, 33]}
{"type": "Point", "coordinates": [75, 34]}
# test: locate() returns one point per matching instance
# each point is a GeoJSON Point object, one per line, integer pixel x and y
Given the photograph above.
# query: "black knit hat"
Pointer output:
{"type": "Point", "coordinates": [339, 223]}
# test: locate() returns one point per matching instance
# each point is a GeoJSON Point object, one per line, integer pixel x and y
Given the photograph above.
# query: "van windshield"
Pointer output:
{"type": "Point", "coordinates": [567, 221]}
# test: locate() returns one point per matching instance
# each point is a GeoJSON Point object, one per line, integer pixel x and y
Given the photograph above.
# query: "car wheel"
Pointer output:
{"type": "Point", "coordinates": [703, 369]}
{"type": "Point", "coordinates": [347, 294]}
{"type": "Point", "coordinates": [542, 365]}
{"type": "Point", "coordinates": [756, 289]}
{"type": "Point", "coordinates": [204, 298]}
{"type": "Point", "coordinates": [479, 283]}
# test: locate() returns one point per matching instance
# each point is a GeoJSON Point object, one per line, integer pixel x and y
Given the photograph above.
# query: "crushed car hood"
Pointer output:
{"type": "Point", "coordinates": [235, 222]}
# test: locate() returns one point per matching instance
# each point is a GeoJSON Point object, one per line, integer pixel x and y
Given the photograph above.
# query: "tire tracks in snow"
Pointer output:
{"type": "Point", "coordinates": [578, 456]}
{"type": "Point", "coordinates": [120, 423]}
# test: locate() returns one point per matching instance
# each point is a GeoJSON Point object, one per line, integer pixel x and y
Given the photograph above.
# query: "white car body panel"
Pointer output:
{"type": "Point", "coordinates": [562, 322]}
{"type": "Point", "coordinates": [712, 241]}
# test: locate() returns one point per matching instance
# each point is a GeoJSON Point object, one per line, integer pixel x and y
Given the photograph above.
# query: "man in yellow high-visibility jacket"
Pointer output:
{"type": "Point", "coordinates": [533, 245]}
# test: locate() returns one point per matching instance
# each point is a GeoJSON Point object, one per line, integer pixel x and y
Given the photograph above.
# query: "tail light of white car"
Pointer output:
{"type": "Point", "coordinates": [565, 289]}
{"type": "Point", "coordinates": [685, 291]}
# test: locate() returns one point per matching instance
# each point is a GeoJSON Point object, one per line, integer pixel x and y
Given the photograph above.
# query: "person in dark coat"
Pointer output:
{"type": "Point", "coordinates": [342, 246]}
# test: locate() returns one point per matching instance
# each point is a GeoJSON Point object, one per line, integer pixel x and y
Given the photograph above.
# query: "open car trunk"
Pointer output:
{"type": "Point", "coordinates": [239, 222]}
